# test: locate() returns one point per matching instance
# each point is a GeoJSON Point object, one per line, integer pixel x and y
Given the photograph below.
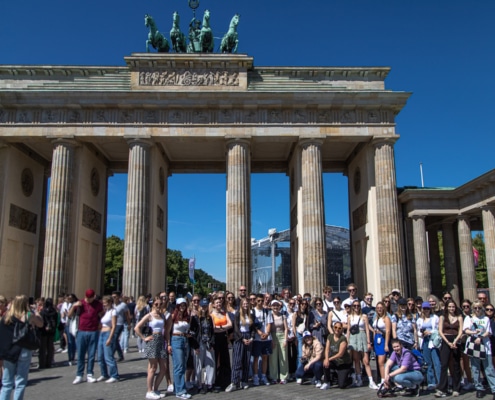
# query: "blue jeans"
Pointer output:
{"type": "Point", "coordinates": [124, 338]}
{"type": "Point", "coordinates": [71, 343]}
{"type": "Point", "coordinates": [16, 375]}
{"type": "Point", "coordinates": [116, 342]}
{"type": "Point", "coordinates": [106, 358]}
{"type": "Point", "coordinates": [407, 379]}
{"type": "Point", "coordinates": [432, 359]}
{"type": "Point", "coordinates": [476, 364]}
{"type": "Point", "coordinates": [299, 348]}
{"type": "Point", "coordinates": [86, 342]}
{"type": "Point", "coordinates": [315, 371]}
{"type": "Point", "coordinates": [180, 352]}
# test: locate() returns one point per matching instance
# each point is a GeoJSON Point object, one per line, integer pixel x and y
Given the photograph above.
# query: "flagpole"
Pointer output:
{"type": "Point", "coordinates": [421, 172]}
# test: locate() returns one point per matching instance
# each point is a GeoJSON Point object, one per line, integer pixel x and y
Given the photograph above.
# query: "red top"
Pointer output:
{"type": "Point", "coordinates": [89, 318]}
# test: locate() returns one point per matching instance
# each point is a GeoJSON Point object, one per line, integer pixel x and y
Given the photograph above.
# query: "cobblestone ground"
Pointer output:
{"type": "Point", "coordinates": [56, 384]}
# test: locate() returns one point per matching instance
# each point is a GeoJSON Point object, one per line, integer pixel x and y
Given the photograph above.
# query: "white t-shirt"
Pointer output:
{"type": "Point", "coordinates": [262, 318]}
{"type": "Point", "coordinates": [473, 322]}
{"type": "Point", "coordinates": [106, 320]}
{"type": "Point", "coordinates": [121, 312]}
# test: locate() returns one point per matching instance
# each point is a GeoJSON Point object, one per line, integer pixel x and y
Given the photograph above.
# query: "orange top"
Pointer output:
{"type": "Point", "coordinates": [219, 321]}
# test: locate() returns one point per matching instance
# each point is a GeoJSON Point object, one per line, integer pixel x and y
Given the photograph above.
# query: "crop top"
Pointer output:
{"type": "Point", "coordinates": [156, 324]}
{"type": "Point", "coordinates": [106, 320]}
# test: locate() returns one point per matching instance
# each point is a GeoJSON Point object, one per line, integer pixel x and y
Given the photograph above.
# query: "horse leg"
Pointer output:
{"type": "Point", "coordinates": [147, 46]}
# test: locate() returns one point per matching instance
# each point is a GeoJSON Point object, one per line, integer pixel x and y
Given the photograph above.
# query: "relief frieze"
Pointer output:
{"type": "Point", "coordinates": [184, 77]}
{"type": "Point", "coordinates": [22, 219]}
{"type": "Point", "coordinates": [91, 219]}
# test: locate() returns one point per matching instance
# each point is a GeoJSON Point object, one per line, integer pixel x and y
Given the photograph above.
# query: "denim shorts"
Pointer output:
{"type": "Point", "coordinates": [261, 348]}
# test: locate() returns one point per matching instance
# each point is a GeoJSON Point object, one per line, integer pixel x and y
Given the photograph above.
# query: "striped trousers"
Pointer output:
{"type": "Point", "coordinates": [241, 355]}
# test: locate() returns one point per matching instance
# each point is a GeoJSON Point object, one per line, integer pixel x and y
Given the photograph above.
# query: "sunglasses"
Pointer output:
{"type": "Point", "coordinates": [466, 306]}
{"type": "Point", "coordinates": [196, 301]}
{"type": "Point", "coordinates": [252, 298]}
{"type": "Point", "coordinates": [410, 304]}
{"type": "Point", "coordinates": [336, 302]}
{"type": "Point", "coordinates": [356, 306]}
{"type": "Point", "coordinates": [337, 327]}
{"type": "Point", "coordinates": [230, 298]}
{"type": "Point", "coordinates": [386, 301]}
{"type": "Point", "coordinates": [242, 290]}
{"type": "Point", "coordinates": [489, 309]}
{"type": "Point", "coordinates": [369, 298]}
{"type": "Point", "coordinates": [259, 301]}
{"type": "Point", "coordinates": [220, 298]}
{"type": "Point", "coordinates": [352, 290]}
{"type": "Point", "coordinates": [319, 304]}
{"type": "Point", "coordinates": [157, 304]}
{"type": "Point", "coordinates": [477, 308]}
{"type": "Point", "coordinates": [291, 304]}
{"type": "Point", "coordinates": [447, 298]}
{"type": "Point", "coordinates": [327, 291]}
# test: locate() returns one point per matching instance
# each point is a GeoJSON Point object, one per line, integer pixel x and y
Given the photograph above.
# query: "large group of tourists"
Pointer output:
{"type": "Point", "coordinates": [231, 341]}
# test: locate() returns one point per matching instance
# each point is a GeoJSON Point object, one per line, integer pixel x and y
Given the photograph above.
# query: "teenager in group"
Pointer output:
{"type": "Point", "coordinates": [311, 365]}
{"type": "Point", "coordinates": [141, 310]}
{"type": "Point", "coordinates": [69, 333]}
{"type": "Point", "coordinates": [450, 330]}
{"type": "Point", "coordinates": [338, 314]}
{"type": "Point", "coordinates": [204, 356]}
{"type": "Point", "coordinates": [404, 326]}
{"type": "Point", "coordinates": [327, 299]}
{"type": "Point", "coordinates": [358, 336]}
{"type": "Point", "coordinates": [222, 324]}
{"type": "Point", "coordinates": [317, 323]}
{"type": "Point", "coordinates": [427, 325]}
{"type": "Point", "coordinates": [478, 327]}
{"type": "Point", "coordinates": [291, 339]}
{"type": "Point", "coordinates": [262, 344]}
{"type": "Point", "coordinates": [244, 330]}
{"type": "Point", "coordinates": [108, 366]}
{"type": "Point", "coordinates": [465, 363]}
{"type": "Point", "coordinates": [278, 358]}
{"type": "Point", "coordinates": [154, 346]}
{"type": "Point", "coordinates": [337, 358]}
{"type": "Point", "coordinates": [300, 322]}
{"type": "Point", "coordinates": [382, 333]}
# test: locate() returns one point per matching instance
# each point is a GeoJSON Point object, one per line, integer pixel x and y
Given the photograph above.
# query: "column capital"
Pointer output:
{"type": "Point", "coordinates": [68, 141]}
{"type": "Point", "coordinates": [305, 142]}
{"type": "Point", "coordinates": [486, 207]}
{"type": "Point", "coordinates": [463, 217]}
{"type": "Point", "coordinates": [378, 141]}
{"type": "Point", "coordinates": [232, 140]}
{"type": "Point", "coordinates": [142, 141]}
{"type": "Point", "coordinates": [415, 217]}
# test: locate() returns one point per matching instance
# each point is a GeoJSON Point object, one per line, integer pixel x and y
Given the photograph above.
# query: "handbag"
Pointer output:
{"type": "Point", "coordinates": [436, 339]}
{"type": "Point", "coordinates": [25, 336]}
{"type": "Point", "coordinates": [354, 329]}
{"type": "Point", "coordinates": [475, 350]}
{"type": "Point", "coordinates": [74, 325]}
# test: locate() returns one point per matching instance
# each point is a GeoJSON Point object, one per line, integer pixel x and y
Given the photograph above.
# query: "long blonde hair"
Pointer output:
{"type": "Point", "coordinates": [19, 307]}
{"type": "Point", "coordinates": [141, 303]}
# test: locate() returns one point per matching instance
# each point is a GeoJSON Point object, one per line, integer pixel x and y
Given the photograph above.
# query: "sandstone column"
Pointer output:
{"type": "Point", "coordinates": [56, 255]}
{"type": "Point", "coordinates": [136, 247]}
{"type": "Point", "coordinates": [489, 232]}
{"type": "Point", "coordinates": [423, 277]}
{"type": "Point", "coordinates": [449, 257]}
{"type": "Point", "coordinates": [467, 259]}
{"type": "Point", "coordinates": [391, 269]}
{"type": "Point", "coordinates": [238, 228]}
{"type": "Point", "coordinates": [434, 253]}
{"type": "Point", "coordinates": [313, 217]}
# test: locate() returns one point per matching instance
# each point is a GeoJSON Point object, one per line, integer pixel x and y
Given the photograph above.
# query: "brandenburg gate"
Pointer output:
{"type": "Point", "coordinates": [65, 129]}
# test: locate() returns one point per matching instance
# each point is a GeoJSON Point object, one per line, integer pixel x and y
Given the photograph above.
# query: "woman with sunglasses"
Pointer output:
{"type": "Point", "coordinates": [300, 321]}
{"type": "Point", "coordinates": [404, 326]}
{"type": "Point", "coordinates": [382, 334]}
{"type": "Point", "coordinates": [221, 326]}
{"type": "Point", "coordinates": [359, 343]}
{"type": "Point", "coordinates": [450, 329]}
{"type": "Point", "coordinates": [478, 327]}
{"type": "Point", "coordinates": [338, 314]}
{"type": "Point", "coordinates": [489, 311]}
{"type": "Point", "coordinates": [465, 363]}
{"type": "Point", "coordinates": [435, 304]}
{"type": "Point", "coordinates": [411, 305]}
{"type": "Point", "coordinates": [428, 326]}
{"type": "Point", "coordinates": [291, 339]}
{"type": "Point", "coordinates": [154, 347]}
{"type": "Point", "coordinates": [318, 321]}
{"type": "Point", "coordinates": [204, 355]}
{"type": "Point", "coordinates": [337, 358]}
{"type": "Point", "coordinates": [388, 305]}
{"type": "Point", "coordinates": [194, 309]}
{"type": "Point", "coordinates": [278, 359]}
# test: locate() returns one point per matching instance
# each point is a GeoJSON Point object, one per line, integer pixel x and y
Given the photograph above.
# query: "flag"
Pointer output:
{"type": "Point", "coordinates": [476, 255]}
{"type": "Point", "coordinates": [192, 263]}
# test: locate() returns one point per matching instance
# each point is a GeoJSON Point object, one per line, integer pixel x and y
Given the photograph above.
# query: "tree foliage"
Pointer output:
{"type": "Point", "coordinates": [177, 271]}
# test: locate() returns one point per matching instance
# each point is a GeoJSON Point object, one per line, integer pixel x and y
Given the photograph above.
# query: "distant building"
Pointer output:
{"type": "Point", "coordinates": [271, 259]}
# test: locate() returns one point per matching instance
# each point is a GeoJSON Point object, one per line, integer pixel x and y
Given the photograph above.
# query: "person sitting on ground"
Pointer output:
{"type": "Point", "coordinates": [403, 369]}
{"type": "Point", "coordinates": [311, 365]}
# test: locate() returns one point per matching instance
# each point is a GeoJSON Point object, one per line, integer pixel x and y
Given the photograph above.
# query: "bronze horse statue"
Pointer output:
{"type": "Point", "coordinates": [177, 38]}
{"type": "Point", "coordinates": [206, 36]}
{"type": "Point", "coordinates": [229, 40]}
{"type": "Point", "coordinates": [155, 38]}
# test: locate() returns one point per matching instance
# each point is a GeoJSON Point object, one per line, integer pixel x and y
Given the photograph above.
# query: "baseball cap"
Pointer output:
{"type": "Point", "coordinates": [306, 334]}
{"type": "Point", "coordinates": [89, 293]}
{"type": "Point", "coordinates": [180, 300]}
{"type": "Point", "coordinates": [425, 304]}
{"type": "Point", "coordinates": [395, 291]}
{"type": "Point", "coordinates": [204, 302]}
{"type": "Point", "coordinates": [402, 302]}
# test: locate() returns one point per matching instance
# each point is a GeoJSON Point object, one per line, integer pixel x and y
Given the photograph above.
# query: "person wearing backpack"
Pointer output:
{"type": "Point", "coordinates": [403, 368]}
{"type": "Point", "coordinates": [140, 311]}
{"type": "Point", "coordinates": [47, 334]}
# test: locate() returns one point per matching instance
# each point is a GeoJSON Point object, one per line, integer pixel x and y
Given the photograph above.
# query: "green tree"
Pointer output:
{"type": "Point", "coordinates": [114, 261]}
{"type": "Point", "coordinates": [481, 271]}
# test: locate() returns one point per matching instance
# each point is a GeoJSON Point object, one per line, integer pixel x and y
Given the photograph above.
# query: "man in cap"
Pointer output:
{"type": "Point", "coordinates": [311, 365]}
{"type": "Point", "coordinates": [90, 311]}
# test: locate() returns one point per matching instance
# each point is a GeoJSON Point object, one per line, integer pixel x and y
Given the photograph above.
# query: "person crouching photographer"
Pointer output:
{"type": "Point", "coordinates": [311, 365]}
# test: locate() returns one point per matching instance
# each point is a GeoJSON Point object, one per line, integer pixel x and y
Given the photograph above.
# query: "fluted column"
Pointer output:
{"type": "Point", "coordinates": [56, 255]}
{"type": "Point", "coordinates": [391, 270]}
{"type": "Point", "coordinates": [423, 277]}
{"type": "Point", "coordinates": [434, 255]}
{"type": "Point", "coordinates": [449, 259]}
{"type": "Point", "coordinates": [467, 259]}
{"type": "Point", "coordinates": [238, 228]}
{"type": "Point", "coordinates": [488, 214]}
{"type": "Point", "coordinates": [313, 217]}
{"type": "Point", "coordinates": [136, 246]}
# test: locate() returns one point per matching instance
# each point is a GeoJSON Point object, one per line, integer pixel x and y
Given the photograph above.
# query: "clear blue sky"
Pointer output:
{"type": "Point", "coordinates": [442, 51]}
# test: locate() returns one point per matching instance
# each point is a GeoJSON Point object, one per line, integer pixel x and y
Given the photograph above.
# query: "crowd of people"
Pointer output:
{"type": "Point", "coordinates": [227, 341]}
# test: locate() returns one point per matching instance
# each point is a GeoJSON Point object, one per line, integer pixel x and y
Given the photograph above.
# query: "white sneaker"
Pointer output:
{"type": "Point", "coordinates": [170, 388]}
{"type": "Point", "coordinates": [324, 386]}
{"type": "Point", "coordinates": [318, 384]}
{"type": "Point", "coordinates": [373, 385]}
{"type": "Point", "coordinates": [90, 379]}
{"type": "Point", "coordinates": [65, 351]}
{"type": "Point", "coordinates": [111, 380]}
{"type": "Point", "coordinates": [230, 388]}
{"type": "Point", "coordinates": [183, 396]}
{"type": "Point", "coordinates": [78, 379]}
{"type": "Point", "coordinates": [245, 385]}
{"type": "Point", "coordinates": [152, 396]}
{"type": "Point", "coordinates": [298, 381]}
{"type": "Point", "coordinates": [101, 378]}
{"type": "Point", "coordinates": [162, 395]}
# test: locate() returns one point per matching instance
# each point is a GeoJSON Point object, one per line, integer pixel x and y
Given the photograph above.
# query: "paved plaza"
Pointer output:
{"type": "Point", "coordinates": [56, 384]}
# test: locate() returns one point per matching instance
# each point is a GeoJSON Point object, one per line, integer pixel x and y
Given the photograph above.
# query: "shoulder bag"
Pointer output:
{"type": "Point", "coordinates": [25, 335]}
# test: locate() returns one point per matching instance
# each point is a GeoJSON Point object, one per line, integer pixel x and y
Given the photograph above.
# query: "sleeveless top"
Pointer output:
{"type": "Point", "coordinates": [181, 327]}
{"type": "Point", "coordinates": [156, 324]}
{"type": "Point", "coordinates": [218, 322]}
{"type": "Point", "coordinates": [357, 319]}
{"type": "Point", "coordinates": [450, 328]}
{"type": "Point", "coordinates": [278, 324]}
{"type": "Point", "coordinates": [379, 323]}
